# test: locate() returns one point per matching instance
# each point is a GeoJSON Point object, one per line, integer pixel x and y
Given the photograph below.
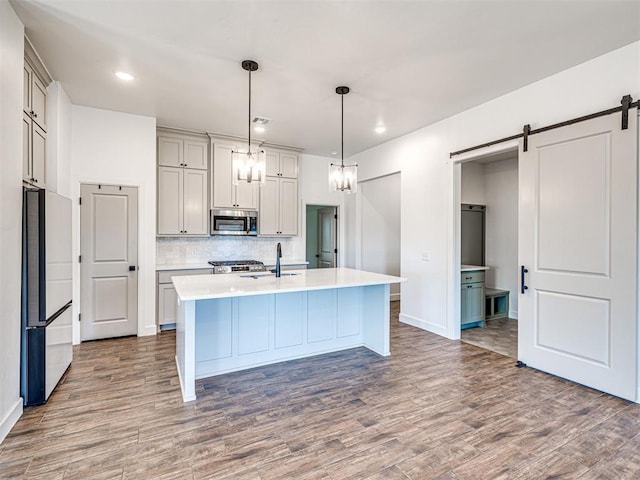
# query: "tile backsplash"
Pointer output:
{"type": "Point", "coordinates": [172, 250]}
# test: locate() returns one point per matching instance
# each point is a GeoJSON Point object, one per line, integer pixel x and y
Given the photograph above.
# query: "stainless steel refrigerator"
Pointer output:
{"type": "Point", "coordinates": [46, 348]}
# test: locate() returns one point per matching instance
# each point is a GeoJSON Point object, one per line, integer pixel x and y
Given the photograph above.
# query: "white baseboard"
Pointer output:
{"type": "Point", "coordinates": [11, 418]}
{"type": "Point", "coordinates": [423, 324]}
{"type": "Point", "coordinates": [148, 330]}
{"type": "Point", "coordinates": [513, 314]}
{"type": "Point", "coordinates": [394, 296]}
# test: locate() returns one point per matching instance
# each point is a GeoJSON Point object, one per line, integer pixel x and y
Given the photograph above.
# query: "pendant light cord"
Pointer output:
{"type": "Point", "coordinates": [342, 130]}
{"type": "Point", "coordinates": [249, 143]}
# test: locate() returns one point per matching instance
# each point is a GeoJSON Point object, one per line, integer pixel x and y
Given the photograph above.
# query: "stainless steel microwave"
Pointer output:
{"type": "Point", "coordinates": [234, 222]}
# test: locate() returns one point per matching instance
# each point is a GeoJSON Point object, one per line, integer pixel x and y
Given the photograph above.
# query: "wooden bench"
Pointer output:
{"type": "Point", "coordinates": [496, 303]}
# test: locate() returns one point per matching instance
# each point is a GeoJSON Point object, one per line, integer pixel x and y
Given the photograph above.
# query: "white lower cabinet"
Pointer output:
{"type": "Point", "coordinates": [166, 297]}
{"type": "Point", "coordinates": [279, 207]}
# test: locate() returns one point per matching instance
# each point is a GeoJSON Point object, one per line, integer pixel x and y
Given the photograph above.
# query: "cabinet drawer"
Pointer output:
{"type": "Point", "coordinates": [165, 276]}
{"type": "Point", "coordinates": [472, 277]}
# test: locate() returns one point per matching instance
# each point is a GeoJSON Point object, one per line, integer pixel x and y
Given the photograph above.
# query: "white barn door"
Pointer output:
{"type": "Point", "coordinates": [578, 224]}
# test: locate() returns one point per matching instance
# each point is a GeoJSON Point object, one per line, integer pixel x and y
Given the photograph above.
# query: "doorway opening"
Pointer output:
{"type": "Point", "coordinates": [489, 252]}
{"type": "Point", "coordinates": [321, 236]}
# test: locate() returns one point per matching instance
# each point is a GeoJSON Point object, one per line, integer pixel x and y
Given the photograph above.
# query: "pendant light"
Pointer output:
{"type": "Point", "coordinates": [343, 178]}
{"type": "Point", "coordinates": [249, 166]}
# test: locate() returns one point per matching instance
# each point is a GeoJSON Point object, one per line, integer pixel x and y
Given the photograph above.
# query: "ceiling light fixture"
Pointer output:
{"type": "Point", "coordinates": [380, 129]}
{"type": "Point", "coordinates": [343, 178]}
{"type": "Point", "coordinates": [249, 166]}
{"type": "Point", "coordinates": [124, 76]}
{"type": "Point", "coordinates": [259, 129]}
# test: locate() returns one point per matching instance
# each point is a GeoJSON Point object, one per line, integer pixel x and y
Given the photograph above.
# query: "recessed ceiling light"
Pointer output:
{"type": "Point", "coordinates": [380, 129]}
{"type": "Point", "coordinates": [259, 128]}
{"type": "Point", "coordinates": [334, 153]}
{"type": "Point", "coordinates": [124, 76]}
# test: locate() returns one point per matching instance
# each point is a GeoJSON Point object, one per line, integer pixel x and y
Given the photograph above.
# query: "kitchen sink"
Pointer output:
{"type": "Point", "coordinates": [256, 275]}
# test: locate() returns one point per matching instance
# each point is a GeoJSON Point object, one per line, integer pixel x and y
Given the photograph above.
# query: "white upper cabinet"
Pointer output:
{"type": "Point", "coordinates": [282, 164]}
{"type": "Point", "coordinates": [183, 188]}
{"type": "Point", "coordinates": [225, 193]}
{"type": "Point", "coordinates": [34, 119]}
{"type": "Point", "coordinates": [279, 207]}
{"type": "Point", "coordinates": [180, 152]}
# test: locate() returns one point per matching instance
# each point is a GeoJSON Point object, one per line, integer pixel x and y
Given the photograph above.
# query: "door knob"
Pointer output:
{"type": "Point", "coordinates": [132, 268]}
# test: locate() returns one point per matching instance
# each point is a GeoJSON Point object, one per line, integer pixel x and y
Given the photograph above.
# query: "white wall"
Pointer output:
{"type": "Point", "coordinates": [11, 65]}
{"type": "Point", "coordinates": [431, 297]}
{"type": "Point", "coordinates": [314, 190]}
{"type": "Point", "coordinates": [380, 227]}
{"type": "Point", "coordinates": [58, 169]}
{"type": "Point", "coordinates": [501, 217]}
{"type": "Point", "coordinates": [472, 180]}
{"type": "Point", "coordinates": [119, 149]}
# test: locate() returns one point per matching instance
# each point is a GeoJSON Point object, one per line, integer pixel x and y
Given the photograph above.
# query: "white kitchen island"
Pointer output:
{"type": "Point", "coordinates": [237, 321]}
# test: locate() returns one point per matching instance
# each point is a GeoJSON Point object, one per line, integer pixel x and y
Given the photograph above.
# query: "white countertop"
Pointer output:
{"type": "Point", "coordinates": [472, 268]}
{"type": "Point", "coordinates": [203, 265]}
{"type": "Point", "coordinates": [200, 287]}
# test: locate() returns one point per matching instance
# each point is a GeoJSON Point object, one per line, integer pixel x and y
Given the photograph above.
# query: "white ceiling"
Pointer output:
{"type": "Point", "coordinates": [408, 63]}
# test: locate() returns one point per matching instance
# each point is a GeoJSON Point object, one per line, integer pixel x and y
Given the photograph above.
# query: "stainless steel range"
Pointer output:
{"type": "Point", "coordinates": [233, 266]}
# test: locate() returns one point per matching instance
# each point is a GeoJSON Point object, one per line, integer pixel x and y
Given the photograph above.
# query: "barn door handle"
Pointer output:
{"type": "Point", "coordinates": [523, 287]}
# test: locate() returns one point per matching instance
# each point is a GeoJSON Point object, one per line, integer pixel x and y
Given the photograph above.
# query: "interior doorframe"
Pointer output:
{"type": "Point", "coordinates": [453, 320]}
{"type": "Point", "coordinates": [77, 306]}
{"type": "Point", "coordinates": [339, 227]}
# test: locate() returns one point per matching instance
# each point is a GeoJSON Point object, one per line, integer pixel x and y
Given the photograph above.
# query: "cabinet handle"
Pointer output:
{"type": "Point", "coordinates": [35, 180]}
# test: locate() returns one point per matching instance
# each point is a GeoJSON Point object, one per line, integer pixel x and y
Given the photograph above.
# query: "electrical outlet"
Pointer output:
{"type": "Point", "coordinates": [426, 256]}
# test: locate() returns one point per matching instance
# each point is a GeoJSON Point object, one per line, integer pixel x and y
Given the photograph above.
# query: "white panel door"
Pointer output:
{"type": "Point", "coordinates": [288, 207]}
{"type": "Point", "coordinates": [269, 206]}
{"type": "Point", "coordinates": [578, 240]}
{"type": "Point", "coordinates": [109, 266]}
{"type": "Point", "coordinates": [223, 189]}
{"type": "Point", "coordinates": [196, 209]}
{"type": "Point", "coordinates": [170, 152]}
{"type": "Point", "coordinates": [327, 237]}
{"type": "Point", "coordinates": [170, 200]}
{"type": "Point", "coordinates": [195, 154]}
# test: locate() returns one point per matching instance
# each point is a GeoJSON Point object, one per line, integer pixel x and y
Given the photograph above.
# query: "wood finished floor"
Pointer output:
{"type": "Point", "coordinates": [435, 409]}
{"type": "Point", "coordinates": [499, 335]}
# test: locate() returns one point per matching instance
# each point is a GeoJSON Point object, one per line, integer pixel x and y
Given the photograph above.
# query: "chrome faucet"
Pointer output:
{"type": "Point", "coordinates": [278, 255]}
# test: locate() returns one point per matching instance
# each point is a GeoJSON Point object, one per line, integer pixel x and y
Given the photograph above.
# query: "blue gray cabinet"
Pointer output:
{"type": "Point", "coordinates": [472, 301]}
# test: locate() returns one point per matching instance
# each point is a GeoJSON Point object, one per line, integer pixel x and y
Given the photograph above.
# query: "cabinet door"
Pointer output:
{"type": "Point", "coordinates": [269, 206]}
{"type": "Point", "coordinates": [167, 304]}
{"type": "Point", "coordinates": [26, 96]}
{"type": "Point", "coordinates": [27, 173]}
{"type": "Point", "coordinates": [475, 302]}
{"type": "Point", "coordinates": [195, 154]}
{"type": "Point", "coordinates": [223, 189]}
{"type": "Point", "coordinates": [289, 165]}
{"type": "Point", "coordinates": [170, 152]}
{"type": "Point", "coordinates": [288, 207]}
{"type": "Point", "coordinates": [39, 102]}
{"type": "Point", "coordinates": [195, 202]}
{"type": "Point", "coordinates": [273, 163]}
{"type": "Point", "coordinates": [170, 200]}
{"type": "Point", "coordinates": [38, 155]}
{"type": "Point", "coordinates": [247, 196]}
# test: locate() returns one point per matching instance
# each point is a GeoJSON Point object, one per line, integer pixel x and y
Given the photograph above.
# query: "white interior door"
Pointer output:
{"type": "Point", "coordinates": [327, 238]}
{"type": "Point", "coordinates": [109, 266]}
{"type": "Point", "coordinates": [578, 225]}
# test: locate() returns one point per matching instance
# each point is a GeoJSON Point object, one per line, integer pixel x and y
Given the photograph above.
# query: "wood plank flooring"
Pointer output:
{"type": "Point", "coordinates": [499, 335]}
{"type": "Point", "coordinates": [435, 409]}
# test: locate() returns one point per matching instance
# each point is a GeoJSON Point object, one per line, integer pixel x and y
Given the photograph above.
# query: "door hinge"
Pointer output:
{"type": "Point", "coordinates": [335, 250]}
{"type": "Point", "coordinates": [335, 216]}
{"type": "Point", "coordinates": [79, 258]}
{"type": "Point", "coordinates": [79, 200]}
{"type": "Point", "coordinates": [79, 317]}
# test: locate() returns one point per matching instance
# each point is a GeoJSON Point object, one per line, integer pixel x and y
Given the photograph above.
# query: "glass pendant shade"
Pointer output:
{"type": "Point", "coordinates": [249, 166]}
{"type": "Point", "coordinates": [343, 178]}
